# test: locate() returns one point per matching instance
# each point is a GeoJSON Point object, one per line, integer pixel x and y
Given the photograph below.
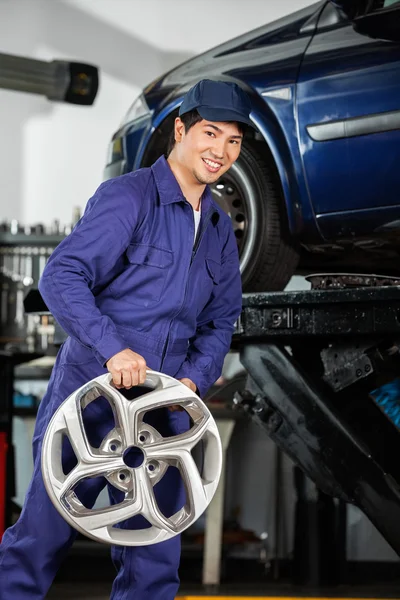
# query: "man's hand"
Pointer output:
{"type": "Point", "coordinates": [189, 383]}
{"type": "Point", "coordinates": [127, 369]}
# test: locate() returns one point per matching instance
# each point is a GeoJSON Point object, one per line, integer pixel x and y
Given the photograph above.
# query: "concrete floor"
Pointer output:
{"type": "Point", "coordinates": [71, 591]}
{"type": "Point", "coordinates": [88, 573]}
{"type": "Point", "coordinates": [92, 591]}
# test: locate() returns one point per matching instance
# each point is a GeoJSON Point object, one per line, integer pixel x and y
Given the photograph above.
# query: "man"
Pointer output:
{"type": "Point", "coordinates": [149, 278]}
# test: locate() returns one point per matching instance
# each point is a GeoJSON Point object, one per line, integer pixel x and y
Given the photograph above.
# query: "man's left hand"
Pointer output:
{"type": "Point", "coordinates": [189, 383]}
{"type": "Point", "coordinates": [192, 386]}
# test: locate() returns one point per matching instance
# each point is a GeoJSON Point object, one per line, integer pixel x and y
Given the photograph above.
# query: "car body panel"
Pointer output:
{"type": "Point", "coordinates": [308, 74]}
{"type": "Point", "coordinates": [351, 81]}
{"type": "Point", "coordinates": [133, 138]}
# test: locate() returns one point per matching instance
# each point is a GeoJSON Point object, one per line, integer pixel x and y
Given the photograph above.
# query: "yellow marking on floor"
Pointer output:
{"type": "Point", "coordinates": [267, 598]}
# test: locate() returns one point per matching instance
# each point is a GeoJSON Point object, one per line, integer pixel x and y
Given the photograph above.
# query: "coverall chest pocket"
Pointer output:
{"type": "Point", "coordinates": [210, 279]}
{"type": "Point", "coordinates": [143, 279]}
{"type": "Point", "coordinates": [213, 270]}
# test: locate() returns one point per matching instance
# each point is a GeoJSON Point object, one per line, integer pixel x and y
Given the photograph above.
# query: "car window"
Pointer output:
{"type": "Point", "coordinates": [353, 9]}
{"type": "Point", "coordinates": [379, 4]}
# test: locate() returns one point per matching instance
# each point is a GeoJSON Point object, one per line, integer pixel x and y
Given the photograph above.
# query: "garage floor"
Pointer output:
{"type": "Point", "coordinates": [90, 568]}
{"type": "Point", "coordinates": [78, 591]}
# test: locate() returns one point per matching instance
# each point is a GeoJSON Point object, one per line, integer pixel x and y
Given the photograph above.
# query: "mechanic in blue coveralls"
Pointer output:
{"type": "Point", "coordinates": [149, 278]}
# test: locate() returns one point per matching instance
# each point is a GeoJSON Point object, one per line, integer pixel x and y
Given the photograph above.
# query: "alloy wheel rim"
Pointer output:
{"type": "Point", "coordinates": [159, 453]}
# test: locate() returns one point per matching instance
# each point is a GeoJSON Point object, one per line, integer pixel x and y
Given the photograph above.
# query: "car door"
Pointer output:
{"type": "Point", "coordinates": [348, 111]}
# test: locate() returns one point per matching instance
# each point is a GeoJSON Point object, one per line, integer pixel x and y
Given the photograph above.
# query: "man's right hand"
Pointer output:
{"type": "Point", "coordinates": [127, 369]}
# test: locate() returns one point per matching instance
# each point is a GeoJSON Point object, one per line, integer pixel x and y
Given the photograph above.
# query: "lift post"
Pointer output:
{"type": "Point", "coordinates": [313, 357]}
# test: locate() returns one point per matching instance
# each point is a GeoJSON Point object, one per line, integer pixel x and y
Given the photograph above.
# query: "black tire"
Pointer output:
{"type": "Point", "coordinates": [251, 192]}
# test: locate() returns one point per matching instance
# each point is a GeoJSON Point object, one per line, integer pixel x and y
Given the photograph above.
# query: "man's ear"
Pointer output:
{"type": "Point", "coordinates": [179, 129]}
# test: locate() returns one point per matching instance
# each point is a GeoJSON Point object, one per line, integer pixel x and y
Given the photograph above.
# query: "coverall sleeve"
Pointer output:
{"type": "Point", "coordinates": [215, 325]}
{"type": "Point", "coordinates": [84, 261]}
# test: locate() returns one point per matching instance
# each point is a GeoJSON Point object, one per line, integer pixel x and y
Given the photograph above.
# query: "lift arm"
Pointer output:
{"type": "Point", "coordinates": [58, 80]}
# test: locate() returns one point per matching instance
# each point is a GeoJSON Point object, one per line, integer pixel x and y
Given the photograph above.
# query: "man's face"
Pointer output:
{"type": "Point", "coordinates": [208, 149]}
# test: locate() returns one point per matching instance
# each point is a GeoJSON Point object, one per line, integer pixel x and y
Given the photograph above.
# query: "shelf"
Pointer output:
{"type": "Point", "coordinates": [37, 369]}
{"type": "Point", "coordinates": [24, 412]}
{"type": "Point", "coordinates": [20, 239]}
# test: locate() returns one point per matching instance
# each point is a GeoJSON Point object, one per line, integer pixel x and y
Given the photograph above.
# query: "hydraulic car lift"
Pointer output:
{"type": "Point", "coordinates": [313, 357]}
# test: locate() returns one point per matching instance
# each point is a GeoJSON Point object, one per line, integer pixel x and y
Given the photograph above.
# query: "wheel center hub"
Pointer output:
{"type": "Point", "coordinates": [133, 457]}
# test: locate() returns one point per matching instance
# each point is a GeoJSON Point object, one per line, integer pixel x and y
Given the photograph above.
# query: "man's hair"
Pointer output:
{"type": "Point", "coordinates": [189, 119]}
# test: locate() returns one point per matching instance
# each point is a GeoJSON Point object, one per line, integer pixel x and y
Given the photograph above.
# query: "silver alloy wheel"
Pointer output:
{"type": "Point", "coordinates": [137, 483]}
{"type": "Point", "coordinates": [234, 194]}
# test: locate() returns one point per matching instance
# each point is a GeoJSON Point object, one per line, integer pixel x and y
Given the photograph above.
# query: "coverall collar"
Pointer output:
{"type": "Point", "coordinates": [170, 191]}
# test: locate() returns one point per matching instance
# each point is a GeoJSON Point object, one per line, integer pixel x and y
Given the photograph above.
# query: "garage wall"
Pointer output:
{"type": "Point", "coordinates": [52, 155]}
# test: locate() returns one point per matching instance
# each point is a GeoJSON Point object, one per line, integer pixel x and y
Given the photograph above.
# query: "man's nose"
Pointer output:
{"type": "Point", "coordinates": [218, 150]}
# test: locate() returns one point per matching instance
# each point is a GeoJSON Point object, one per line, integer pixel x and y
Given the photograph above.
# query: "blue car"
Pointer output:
{"type": "Point", "coordinates": [318, 184]}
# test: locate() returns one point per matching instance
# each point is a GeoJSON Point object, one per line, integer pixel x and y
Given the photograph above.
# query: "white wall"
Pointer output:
{"type": "Point", "coordinates": [52, 155]}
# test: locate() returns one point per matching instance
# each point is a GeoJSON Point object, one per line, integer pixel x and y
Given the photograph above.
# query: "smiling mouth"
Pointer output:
{"type": "Point", "coordinates": [211, 165]}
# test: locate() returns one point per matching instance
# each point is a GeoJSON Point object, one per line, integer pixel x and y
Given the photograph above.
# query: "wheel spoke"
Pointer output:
{"type": "Point", "coordinates": [150, 508]}
{"type": "Point", "coordinates": [168, 447]}
{"type": "Point", "coordinates": [122, 406]}
{"type": "Point", "coordinates": [83, 471]}
{"type": "Point", "coordinates": [126, 423]}
{"type": "Point", "coordinates": [194, 485]}
{"type": "Point", "coordinates": [158, 398]}
{"type": "Point", "coordinates": [98, 519]}
{"type": "Point", "coordinates": [172, 452]}
{"type": "Point", "coordinates": [76, 433]}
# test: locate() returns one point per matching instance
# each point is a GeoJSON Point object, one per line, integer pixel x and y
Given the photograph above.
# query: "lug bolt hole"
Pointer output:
{"type": "Point", "coordinates": [144, 436]}
{"type": "Point", "coordinates": [124, 476]}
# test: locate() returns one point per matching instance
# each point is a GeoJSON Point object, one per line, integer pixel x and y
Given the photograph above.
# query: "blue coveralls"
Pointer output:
{"type": "Point", "coordinates": [129, 275]}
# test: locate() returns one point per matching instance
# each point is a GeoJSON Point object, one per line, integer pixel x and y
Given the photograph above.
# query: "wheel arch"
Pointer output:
{"type": "Point", "coordinates": [269, 133]}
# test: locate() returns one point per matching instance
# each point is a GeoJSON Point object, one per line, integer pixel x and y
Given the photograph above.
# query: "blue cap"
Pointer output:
{"type": "Point", "coordinates": [218, 101]}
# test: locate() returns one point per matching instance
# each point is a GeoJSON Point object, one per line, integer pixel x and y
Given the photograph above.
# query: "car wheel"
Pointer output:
{"type": "Point", "coordinates": [250, 192]}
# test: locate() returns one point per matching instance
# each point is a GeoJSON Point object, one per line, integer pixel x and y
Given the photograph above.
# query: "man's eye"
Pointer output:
{"type": "Point", "coordinates": [210, 133]}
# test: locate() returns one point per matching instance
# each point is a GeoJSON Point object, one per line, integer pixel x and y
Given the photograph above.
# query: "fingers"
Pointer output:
{"type": "Point", "coordinates": [127, 379]}
{"type": "Point", "coordinates": [130, 372]}
{"type": "Point", "coordinates": [117, 379]}
{"type": "Point", "coordinates": [175, 408]}
{"type": "Point", "coordinates": [142, 371]}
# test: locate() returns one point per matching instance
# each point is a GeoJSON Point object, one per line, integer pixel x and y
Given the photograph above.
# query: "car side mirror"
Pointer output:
{"type": "Point", "coordinates": [382, 23]}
